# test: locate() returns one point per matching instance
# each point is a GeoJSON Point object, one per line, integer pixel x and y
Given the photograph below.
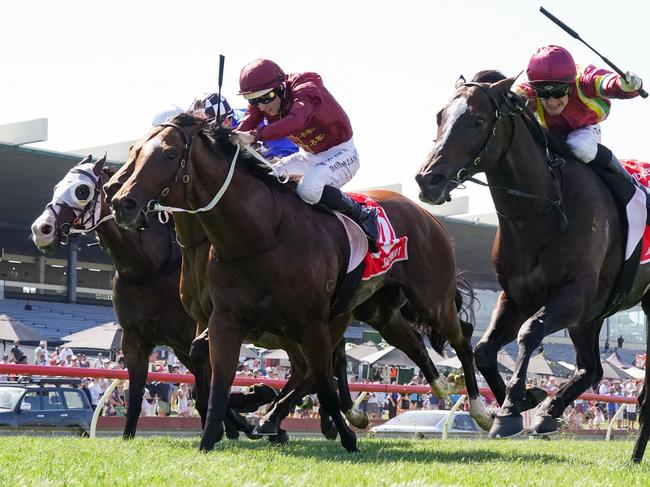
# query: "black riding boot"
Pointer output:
{"type": "Point", "coordinates": [607, 160]}
{"type": "Point", "coordinates": [364, 216]}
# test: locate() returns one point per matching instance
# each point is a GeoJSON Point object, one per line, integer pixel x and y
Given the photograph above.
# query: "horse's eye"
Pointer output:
{"type": "Point", "coordinates": [478, 121]}
{"type": "Point", "coordinates": [171, 153]}
{"type": "Point", "coordinates": [82, 192]}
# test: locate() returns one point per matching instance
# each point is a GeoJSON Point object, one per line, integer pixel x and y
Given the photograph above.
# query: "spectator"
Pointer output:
{"type": "Point", "coordinates": [606, 345]}
{"type": "Point", "coordinates": [630, 412]}
{"type": "Point", "coordinates": [372, 406]}
{"type": "Point", "coordinates": [41, 349]}
{"type": "Point", "coordinates": [611, 406]}
{"type": "Point", "coordinates": [16, 353]}
{"type": "Point", "coordinates": [99, 361]}
{"type": "Point", "coordinates": [54, 358]}
{"type": "Point", "coordinates": [183, 396]}
{"type": "Point", "coordinates": [83, 361]}
{"type": "Point", "coordinates": [65, 353]}
{"type": "Point", "coordinates": [96, 392]}
{"type": "Point", "coordinates": [5, 360]}
{"type": "Point", "coordinates": [40, 359]}
{"type": "Point", "coordinates": [163, 391]}
{"type": "Point", "coordinates": [391, 406]}
{"type": "Point", "coordinates": [620, 341]}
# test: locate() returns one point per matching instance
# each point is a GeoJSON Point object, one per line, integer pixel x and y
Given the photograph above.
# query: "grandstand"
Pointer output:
{"type": "Point", "coordinates": [55, 320]}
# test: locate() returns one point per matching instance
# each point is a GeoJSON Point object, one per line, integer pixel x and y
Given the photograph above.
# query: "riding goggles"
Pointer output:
{"type": "Point", "coordinates": [552, 92]}
{"type": "Point", "coordinates": [264, 99]}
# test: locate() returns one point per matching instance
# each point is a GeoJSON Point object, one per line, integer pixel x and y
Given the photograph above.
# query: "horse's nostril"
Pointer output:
{"type": "Point", "coordinates": [437, 179]}
{"type": "Point", "coordinates": [46, 229]}
{"type": "Point", "coordinates": [128, 204]}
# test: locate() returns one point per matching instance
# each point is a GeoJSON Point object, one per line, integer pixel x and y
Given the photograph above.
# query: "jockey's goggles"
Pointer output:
{"type": "Point", "coordinates": [552, 92]}
{"type": "Point", "coordinates": [264, 99]}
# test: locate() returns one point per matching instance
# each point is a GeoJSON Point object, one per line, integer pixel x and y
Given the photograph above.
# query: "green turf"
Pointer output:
{"type": "Point", "coordinates": [163, 461]}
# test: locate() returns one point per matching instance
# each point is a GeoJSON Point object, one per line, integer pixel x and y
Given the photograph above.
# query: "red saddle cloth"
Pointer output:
{"type": "Point", "coordinates": [391, 248]}
{"type": "Point", "coordinates": [641, 172]}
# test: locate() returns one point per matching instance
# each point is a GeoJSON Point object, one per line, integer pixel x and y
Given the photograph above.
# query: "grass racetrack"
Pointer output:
{"type": "Point", "coordinates": [35, 461]}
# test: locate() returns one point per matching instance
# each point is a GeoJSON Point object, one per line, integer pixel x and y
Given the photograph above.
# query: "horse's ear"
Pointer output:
{"type": "Point", "coordinates": [99, 165]}
{"type": "Point", "coordinates": [503, 86]}
{"type": "Point", "coordinates": [460, 81]}
{"type": "Point", "coordinates": [85, 160]}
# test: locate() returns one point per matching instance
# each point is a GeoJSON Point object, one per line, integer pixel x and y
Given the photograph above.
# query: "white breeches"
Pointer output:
{"type": "Point", "coordinates": [333, 167]}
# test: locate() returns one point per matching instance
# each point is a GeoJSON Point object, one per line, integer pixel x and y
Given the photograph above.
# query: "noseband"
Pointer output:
{"type": "Point", "coordinates": [513, 109]}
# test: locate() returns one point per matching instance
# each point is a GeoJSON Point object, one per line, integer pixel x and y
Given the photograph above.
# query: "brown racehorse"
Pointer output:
{"type": "Point", "coordinates": [558, 250]}
{"type": "Point", "coordinates": [145, 288]}
{"type": "Point", "coordinates": [277, 262]}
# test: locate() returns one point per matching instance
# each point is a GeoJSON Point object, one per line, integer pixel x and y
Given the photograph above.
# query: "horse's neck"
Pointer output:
{"type": "Point", "coordinates": [190, 231]}
{"type": "Point", "coordinates": [523, 168]}
{"type": "Point", "coordinates": [246, 219]}
{"type": "Point", "coordinates": [136, 255]}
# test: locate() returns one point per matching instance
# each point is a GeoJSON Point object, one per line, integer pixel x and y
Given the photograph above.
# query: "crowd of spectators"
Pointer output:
{"type": "Point", "coordinates": [165, 399]}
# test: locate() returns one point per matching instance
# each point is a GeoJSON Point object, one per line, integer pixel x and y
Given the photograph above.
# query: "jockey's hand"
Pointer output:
{"type": "Point", "coordinates": [631, 82]}
{"type": "Point", "coordinates": [242, 138]}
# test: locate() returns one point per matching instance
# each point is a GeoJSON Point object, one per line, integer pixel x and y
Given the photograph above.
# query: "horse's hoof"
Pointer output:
{"type": "Point", "coordinates": [543, 425]}
{"type": "Point", "coordinates": [357, 418]}
{"type": "Point", "coordinates": [266, 428]}
{"type": "Point", "coordinates": [232, 435]}
{"type": "Point", "coordinates": [534, 396]}
{"type": "Point", "coordinates": [262, 392]}
{"type": "Point", "coordinates": [350, 444]}
{"type": "Point", "coordinates": [329, 430]}
{"type": "Point", "coordinates": [507, 426]}
{"type": "Point", "coordinates": [282, 438]}
{"type": "Point", "coordinates": [252, 436]}
{"type": "Point", "coordinates": [206, 446]}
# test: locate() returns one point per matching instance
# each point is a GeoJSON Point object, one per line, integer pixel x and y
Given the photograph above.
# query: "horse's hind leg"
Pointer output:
{"type": "Point", "coordinates": [644, 397]}
{"type": "Point", "coordinates": [504, 325]}
{"type": "Point", "coordinates": [356, 417]}
{"type": "Point", "coordinates": [588, 372]}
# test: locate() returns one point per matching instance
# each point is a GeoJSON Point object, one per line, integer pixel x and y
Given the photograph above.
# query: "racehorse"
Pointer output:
{"type": "Point", "coordinates": [558, 250]}
{"type": "Point", "coordinates": [276, 262]}
{"type": "Point", "coordinates": [145, 288]}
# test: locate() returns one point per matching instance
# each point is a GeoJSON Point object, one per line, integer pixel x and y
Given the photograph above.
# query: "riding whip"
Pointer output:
{"type": "Point", "coordinates": [575, 35]}
{"type": "Point", "coordinates": [222, 59]}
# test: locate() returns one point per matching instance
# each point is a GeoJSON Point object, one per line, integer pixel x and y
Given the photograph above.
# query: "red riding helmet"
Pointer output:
{"type": "Point", "coordinates": [551, 64]}
{"type": "Point", "coordinates": [259, 77]}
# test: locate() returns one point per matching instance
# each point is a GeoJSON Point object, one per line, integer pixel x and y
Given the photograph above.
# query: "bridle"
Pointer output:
{"type": "Point", "coordinates": [86, 218]}
{"type": "Point", "coordinates": [154, 205]}
{"type": "Point", "coordinates": [514, 109]}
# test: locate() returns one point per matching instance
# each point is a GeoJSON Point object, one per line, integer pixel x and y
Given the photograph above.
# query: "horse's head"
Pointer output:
{"type": "Point", "coordinates": [155, 171]}
{"type": "Point", "coordinates": [76, 204]}
{"type": "Point", "coordinates": [467, 139]}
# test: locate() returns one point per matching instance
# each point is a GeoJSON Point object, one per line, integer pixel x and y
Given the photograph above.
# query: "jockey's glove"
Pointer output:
{"type": "Point", "coordinates": [631, 82]}
{"type": "Point", "coordinates": [242, 138]}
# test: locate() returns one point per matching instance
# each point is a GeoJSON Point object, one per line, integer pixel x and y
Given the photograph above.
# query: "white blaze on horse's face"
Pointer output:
{"type": "Point", "coordinates": [452, 113]}
{"type": "Point", "coordinates": [75, 190]}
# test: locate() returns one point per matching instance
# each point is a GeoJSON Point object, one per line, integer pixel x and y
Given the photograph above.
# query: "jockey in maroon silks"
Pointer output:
{"type": "Point", "coordinates": [299, 107]}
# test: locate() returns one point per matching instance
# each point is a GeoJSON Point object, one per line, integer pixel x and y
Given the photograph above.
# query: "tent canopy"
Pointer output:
{"type": "Point", "coordinates": [107, 336]}
{"type": "Point", "coordinates": [12, 329]}
{"type": "Point", "coordinates": [397, 358]}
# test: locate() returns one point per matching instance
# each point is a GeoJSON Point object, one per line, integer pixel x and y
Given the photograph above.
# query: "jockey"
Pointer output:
{"type": "Point", "coordinates": [571, 101]}
{"type": "Point", "coordinates": [299, 107]}
{"type": "Point", "coordinates": [230, 118]}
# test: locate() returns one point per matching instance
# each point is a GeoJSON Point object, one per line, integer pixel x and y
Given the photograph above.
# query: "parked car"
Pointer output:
{"type": "Point", "coordinates": [423, 423]}
{"type": "Point", "coordinates": [44, 405]}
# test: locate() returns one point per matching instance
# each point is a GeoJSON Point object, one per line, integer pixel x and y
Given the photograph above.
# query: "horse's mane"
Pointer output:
{"type": "Point", "coordinates": [217, 139]}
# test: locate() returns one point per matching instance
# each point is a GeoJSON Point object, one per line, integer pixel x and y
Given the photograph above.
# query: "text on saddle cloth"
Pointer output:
{"type": "Point", "coordinates": [641, 172]}
{"type": "Point", "coordinates": [392, 249]}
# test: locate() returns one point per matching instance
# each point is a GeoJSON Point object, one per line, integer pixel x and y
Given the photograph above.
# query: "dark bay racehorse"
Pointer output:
{"type": "Point", "coordinates": [145, 288]}
{"type": "Point", "coordinates": [277, 263]}
{"type": "Point", "coordinates": [558, 250]}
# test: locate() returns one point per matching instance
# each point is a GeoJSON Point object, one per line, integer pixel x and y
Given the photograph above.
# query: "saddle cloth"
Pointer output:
{"type": "Point", "coordinates": [637, 223]}
{"type": "Point", "coordinates": [391, 248]}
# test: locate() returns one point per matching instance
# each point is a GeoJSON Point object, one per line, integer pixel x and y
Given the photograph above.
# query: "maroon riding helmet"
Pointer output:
{"type": "Point", "coordinates": [259, 77]}
{"type": "Point", "coordinates": [551, 65]}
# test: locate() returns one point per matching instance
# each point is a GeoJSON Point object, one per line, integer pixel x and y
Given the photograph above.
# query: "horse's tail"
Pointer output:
{"type": "Point", "coordinates": [465, 301]}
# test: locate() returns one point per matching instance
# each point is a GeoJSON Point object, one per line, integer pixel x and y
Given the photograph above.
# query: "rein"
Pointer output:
{"type": "Point", "coordinates": [515, 110]}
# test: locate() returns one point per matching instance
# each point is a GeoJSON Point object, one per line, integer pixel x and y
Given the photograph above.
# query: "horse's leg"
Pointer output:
{"type": "Point", "coordinates": [290, 393]}
{"type": "Point", "coordinates": [644, 399]}
{"type": "Point", "coordinates": [450, 326]}
{"type": "Point", "coordinates": [588, 372]}
{"type": "Point", "coordinates": [136, 355]}
{"type": "Point", "coordinates": [225, 336]}
{"type": "Point", "coordinates": [562, 310]}
{"type": "Point", "coordinates": [504, 325]}
{"type": "Point", "coordinates": [317, 347]}
{"type": "Point", "coordinates": [200, 358]}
